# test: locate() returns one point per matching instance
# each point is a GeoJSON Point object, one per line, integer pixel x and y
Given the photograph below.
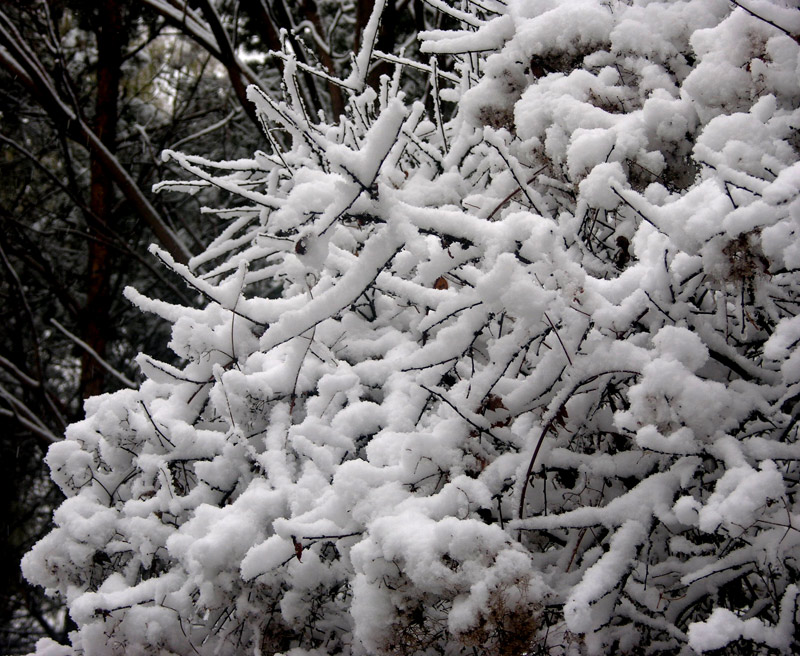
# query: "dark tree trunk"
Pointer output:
{"type": "Point", "coordinates": [109, 32]}
{"type": "Point", "coordinates": [334, 91]}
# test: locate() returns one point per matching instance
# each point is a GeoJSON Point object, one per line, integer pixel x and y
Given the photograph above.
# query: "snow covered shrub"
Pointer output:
{"type": "Point", "coordinates": [521, 381]}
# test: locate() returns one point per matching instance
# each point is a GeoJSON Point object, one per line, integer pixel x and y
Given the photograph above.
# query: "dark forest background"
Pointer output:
{"type": "Point", "coordinates": [90, 94]}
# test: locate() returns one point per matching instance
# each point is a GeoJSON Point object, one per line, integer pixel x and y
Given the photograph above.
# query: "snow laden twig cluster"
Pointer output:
{"type": "Point", "coordinates": [521, 380]}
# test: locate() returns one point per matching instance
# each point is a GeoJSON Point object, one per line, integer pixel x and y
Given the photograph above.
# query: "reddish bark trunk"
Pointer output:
{"type": "Point", "coordinates": [96, 314]}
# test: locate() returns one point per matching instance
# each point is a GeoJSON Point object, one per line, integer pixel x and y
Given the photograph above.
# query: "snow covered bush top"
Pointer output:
{"type": "Point", "coordinates": [523, 380]}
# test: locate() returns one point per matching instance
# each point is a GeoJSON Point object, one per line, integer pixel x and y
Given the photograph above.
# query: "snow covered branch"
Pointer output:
{"type": "Point", "coordinates": [512, 368]}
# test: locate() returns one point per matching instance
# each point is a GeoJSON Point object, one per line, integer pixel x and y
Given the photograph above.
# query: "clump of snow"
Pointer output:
{"type": "Point", "coordinates": [724, 627]}
{"type": "Point", "coordinates": [598, 188]}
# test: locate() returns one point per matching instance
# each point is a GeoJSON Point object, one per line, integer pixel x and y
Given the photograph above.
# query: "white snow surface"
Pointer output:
{"type": "Point", "coordinates": [531, 380]}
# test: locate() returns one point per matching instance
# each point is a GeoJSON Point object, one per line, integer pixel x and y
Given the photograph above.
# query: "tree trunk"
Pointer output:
{"type": "Point", "coordinates": [96, 315]}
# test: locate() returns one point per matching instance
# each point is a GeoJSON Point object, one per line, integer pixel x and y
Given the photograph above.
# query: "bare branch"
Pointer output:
{"type": "Point", "coordinates": [119, 376]}
{"type": "Point", "coordinates": [22, 62]}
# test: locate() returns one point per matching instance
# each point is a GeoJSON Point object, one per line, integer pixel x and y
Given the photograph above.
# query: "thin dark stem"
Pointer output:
{"type": "Point", "coordinates": [158, 430]}
{"type": "Point", "coordinates": [766, 20]}
{"type": "Point", "coordinates": [514, 193]}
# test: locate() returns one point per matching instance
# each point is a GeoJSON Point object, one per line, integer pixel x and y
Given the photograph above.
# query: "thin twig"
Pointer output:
{"type": "Point", "coordinates": [555, 330]}
{"type": "Point", "coordinates": [516, 177]}
{"type": "Point", "coordinates": [554, 416]}
{"type": "Point", "coordinates": [158, 430]}
{"type": "Point", "coordinates": [293, 397]}
{"type": "Point", "coordinates": [32, 426]}
{"type": "Point", "coordinates": [437, 104]}
{"type": "Point", "coordinates": [769, 22]}
{"type": "Point", "coordinates": [77, 340]}
{"type": "Point", "coordinates": [330, 537]}
{"type": "Point", "coordinates": [514, 193]}
{"type": "Point", "coordinates": [476, 426]}
{"type": "Point", "coordinates": [635, 209]}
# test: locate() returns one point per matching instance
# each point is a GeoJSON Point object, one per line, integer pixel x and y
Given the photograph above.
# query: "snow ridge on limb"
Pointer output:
{"type": "Point", "coordinates": [529, 382]}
